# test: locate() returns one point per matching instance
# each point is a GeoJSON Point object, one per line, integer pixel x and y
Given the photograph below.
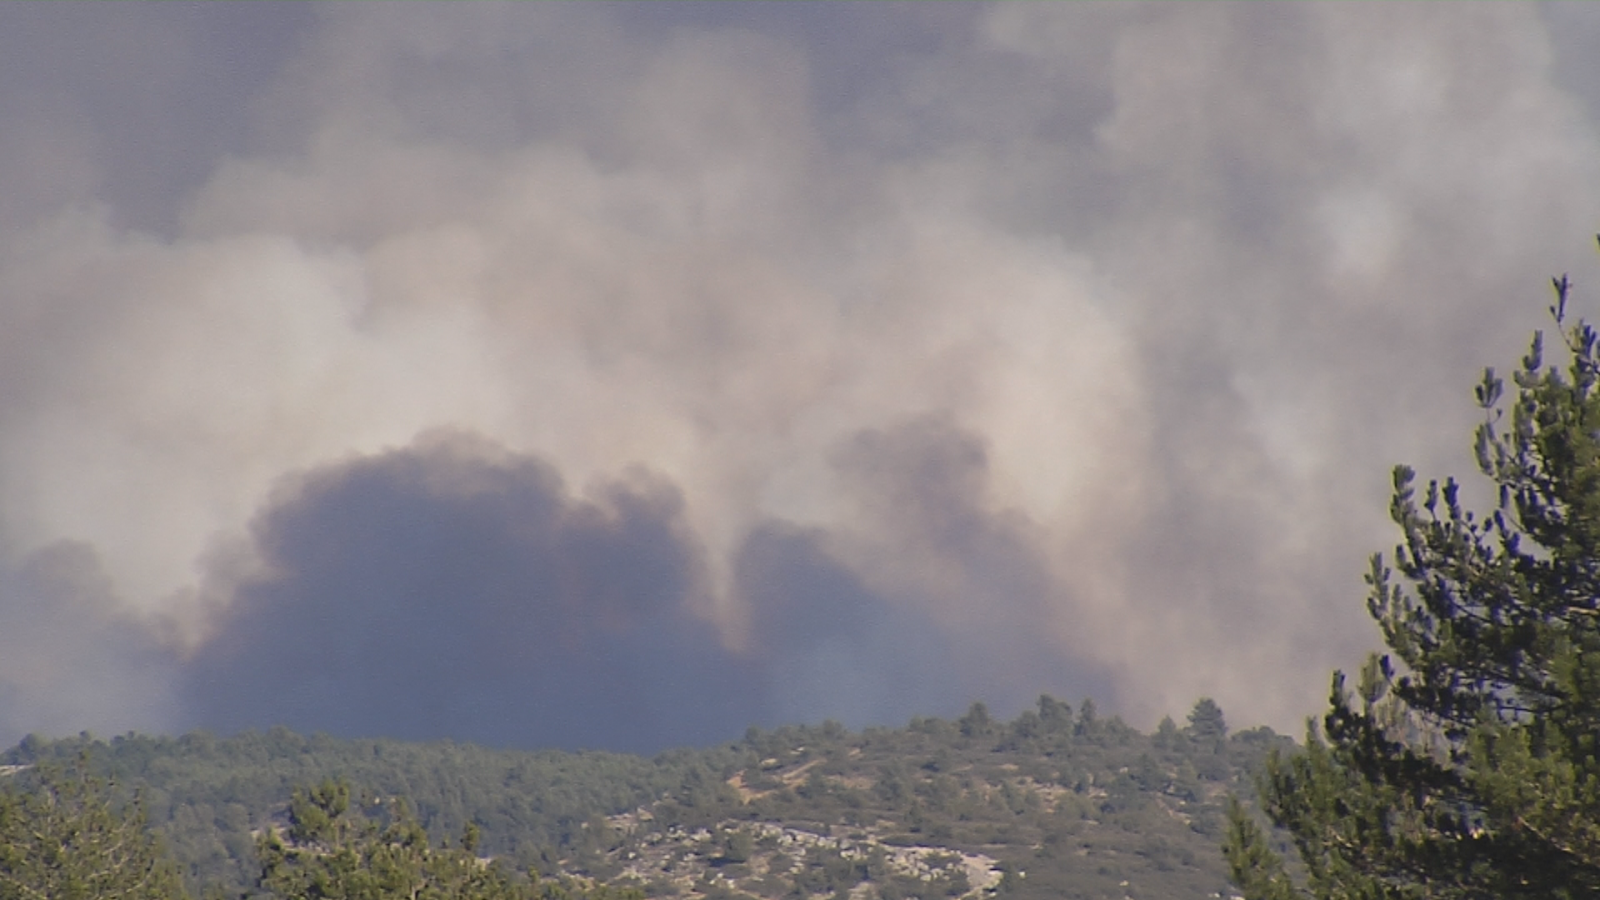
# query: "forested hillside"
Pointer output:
{"type": "Point", "coordinates": [1056, 803]}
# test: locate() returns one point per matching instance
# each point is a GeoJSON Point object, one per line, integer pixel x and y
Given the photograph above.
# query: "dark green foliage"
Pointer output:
{"type": "Point", "coordinates": [1207, 726]}
{"type": "Point", "coordinates": [332, 852]}
{"type": "Point", "coordinates": [1464, 765]}
{"type": "Point", "coordinates": [64, 836]}
{"type": "Point", "coordinates": [1068, 805]}
{"type": "Point", "coordinates": [976, 723]}
{"type": "Point", "coordinates": [206, 794]}
{"type": "Point", "coordinates": [1256, 869]}
{"type": "Point", "coordinates": [1167, 736]}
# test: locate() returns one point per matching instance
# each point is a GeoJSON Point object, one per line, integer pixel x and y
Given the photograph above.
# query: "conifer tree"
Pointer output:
{"type": "Point", "coordinates": [1465, 763]}
{"type": "Point", "coordinates": [332, 852]}
{"type": "Point", "coordinates": [1207, 726]}
{"type": "Point", "coordinates": [65, 837]}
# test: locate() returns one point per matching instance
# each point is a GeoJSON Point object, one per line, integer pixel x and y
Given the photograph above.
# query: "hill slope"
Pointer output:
{"type": "Point", "coordinates": [1054, 803]}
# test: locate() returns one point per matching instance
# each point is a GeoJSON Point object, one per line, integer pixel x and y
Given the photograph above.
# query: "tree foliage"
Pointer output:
{"type": "Point", "coordinates": [1066, 810]}
{"type": "Point", "coordinates": [1464, 765]}
{"type": "Point", "coordinates": [332, 852]}
{"type": "Point", "coordinates": [1207, 725]}
{"type": "Point", "coordinates": [63, 837]}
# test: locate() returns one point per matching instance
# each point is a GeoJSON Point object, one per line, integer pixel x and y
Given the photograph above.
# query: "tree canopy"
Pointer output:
{"type": "Point", "coordinates": [332, 852]}
{"type": "Point", "coordinates": [67, 839]}
{"type": "Point", "coordinates": [1206, 722]}
{"type": "Point", "coordinates": [1055, 808]}
{"type": "Point", "coordinates": [1464, 764]}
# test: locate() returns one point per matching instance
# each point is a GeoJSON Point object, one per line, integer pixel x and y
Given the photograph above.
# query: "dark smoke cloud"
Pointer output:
{"type": "Point", "coordinates": [451, 589]}
{"type": "Point", "coordinates": [980, 571]}
{"type": "Point", "coordinates": [70, 656]}
{"type": "Point", "coordinates": [831, 647]}
{"type": "Point", "coordinates": [975, 349]}
{"type": "Point", "coordinates": [455, 589]}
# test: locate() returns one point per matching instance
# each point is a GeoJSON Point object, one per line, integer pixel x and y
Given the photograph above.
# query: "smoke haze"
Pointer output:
{"type": "Point", "coordinates": [624, 375]}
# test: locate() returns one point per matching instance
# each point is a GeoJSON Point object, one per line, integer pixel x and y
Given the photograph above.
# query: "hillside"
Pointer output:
{"type": "Point", "coordinates": [1056, 803]}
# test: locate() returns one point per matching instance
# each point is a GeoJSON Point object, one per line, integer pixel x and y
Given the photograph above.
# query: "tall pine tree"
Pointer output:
{"type": "Point", "coordinates": [332, 852]}
{"type": "Point", "coordinates": [1465, 763]}
{"type": "Point", "coordinates": [65, 837]}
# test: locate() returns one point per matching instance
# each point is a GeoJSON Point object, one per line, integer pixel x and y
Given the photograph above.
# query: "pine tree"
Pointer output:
{"type": "Point", "coordinates": [1465, 765]}
{"type": "Point", "coordinates": [1207, 726]}
{"type": "Point", "coordinates": [65, 837]}
{"type": "Point", "coordinates": [334, 853]}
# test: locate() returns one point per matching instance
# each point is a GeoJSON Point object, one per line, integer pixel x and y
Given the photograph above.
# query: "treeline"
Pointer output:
{"type": "Point", "coordinates": [68, 836]}
{"type": "Point", "coordinates": [208, 795]}
{"type": "Point", "coordinates": [1070, 800]}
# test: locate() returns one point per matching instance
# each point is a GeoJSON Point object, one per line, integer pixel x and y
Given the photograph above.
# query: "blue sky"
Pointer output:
{"type": "Point", "coordinates": [622, 375]}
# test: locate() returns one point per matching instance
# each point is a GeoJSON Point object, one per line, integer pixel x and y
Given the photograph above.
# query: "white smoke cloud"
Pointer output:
{"type": "Point", "coordinates": [1192, 277]}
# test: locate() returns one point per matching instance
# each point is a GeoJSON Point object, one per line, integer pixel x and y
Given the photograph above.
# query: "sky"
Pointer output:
{"type": "Point", "coordinates": [622, 376]}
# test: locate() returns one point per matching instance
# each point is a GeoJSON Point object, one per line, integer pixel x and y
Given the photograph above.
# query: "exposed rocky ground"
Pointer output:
{"type": "Point", "coordinates": [1055, 804]}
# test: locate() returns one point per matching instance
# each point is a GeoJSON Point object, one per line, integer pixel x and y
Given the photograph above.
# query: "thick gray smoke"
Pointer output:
{"type": "Point", "coordinates": [624, 375]}
{"type": "Point", "coordinates": [453, 590]}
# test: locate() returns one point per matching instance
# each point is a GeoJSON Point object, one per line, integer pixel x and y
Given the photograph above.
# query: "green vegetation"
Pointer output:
{"type": "Point", "coordinates": [68, 839]}
{"type": "Point", "coordinates": [332, 851]}
{"type": "Point", "coordinates": [1465, 765]}
{"type": "Point", "coordinates": [207, 795]}
{"type": "Point", "coordinates": [1055, 803]}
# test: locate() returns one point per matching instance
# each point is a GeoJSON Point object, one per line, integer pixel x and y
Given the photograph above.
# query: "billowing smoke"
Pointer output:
{"type": "Point", "coordinates": [625, 375]}
{"type": "Point", "coordinates": [453, 590]}
{"type": "Point", "coordinates": [70, 657]}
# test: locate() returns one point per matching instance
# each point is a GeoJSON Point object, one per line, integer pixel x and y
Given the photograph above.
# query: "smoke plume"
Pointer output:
{"type": "Point", "coordinates": [614, 375]}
